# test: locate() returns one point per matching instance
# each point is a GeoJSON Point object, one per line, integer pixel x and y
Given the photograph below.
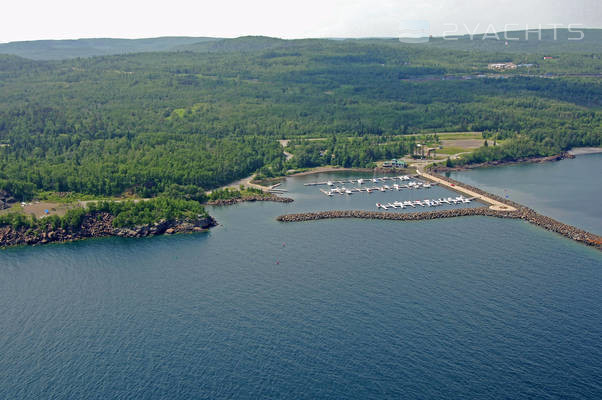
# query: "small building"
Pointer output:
{"type": "Point", "coordinates": [395, 163]}
{"type": "Point", "coordinates": [548, 58]}
{"type": "Point", "coordinates": [502, 66]}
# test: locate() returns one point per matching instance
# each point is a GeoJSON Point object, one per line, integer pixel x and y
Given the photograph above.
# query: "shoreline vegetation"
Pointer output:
{"type": "Point", "coordinates": [106, 218]}
{"type": "Point", "coordinates": [519, 212]}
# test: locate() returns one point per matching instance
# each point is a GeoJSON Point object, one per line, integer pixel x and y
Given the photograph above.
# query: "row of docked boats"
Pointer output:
{"type": "Point", "coordinates": [361, 181]}
{"type": "Point", "coordinates": [384, 188]}
{"type": "Point", "coordinates": [425, 203]}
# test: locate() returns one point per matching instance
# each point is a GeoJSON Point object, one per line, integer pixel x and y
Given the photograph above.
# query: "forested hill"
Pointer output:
{"type": "Point", "coordinates": [65, 49]}
{"type": "Point", "coordinates": [241, 44]}
{"type": "Point", "coordinates": [560, 42]}
{"type": "Point", "coordinates": [174, 122]}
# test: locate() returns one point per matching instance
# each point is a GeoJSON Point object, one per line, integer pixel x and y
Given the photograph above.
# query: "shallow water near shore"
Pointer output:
{"type": "Point", "coordinates": [469, 307]}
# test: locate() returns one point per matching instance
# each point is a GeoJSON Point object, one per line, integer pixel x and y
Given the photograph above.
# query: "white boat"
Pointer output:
{"type": "Point", "coordinates": [399, 204]}
{"type": "Point", "coordinates": [330, 183]}
{"type": "Point", "coordinates": [378, 205]}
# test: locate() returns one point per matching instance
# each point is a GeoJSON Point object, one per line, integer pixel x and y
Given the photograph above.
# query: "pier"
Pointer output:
{"type": "Point", "coordinates": [493, 203]}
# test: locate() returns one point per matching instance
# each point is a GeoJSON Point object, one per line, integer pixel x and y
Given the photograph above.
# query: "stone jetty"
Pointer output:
{"type": "Point", "coordinates": [252, 198]}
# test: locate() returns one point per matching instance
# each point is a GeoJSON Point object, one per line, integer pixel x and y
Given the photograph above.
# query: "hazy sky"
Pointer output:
{"type": "Point", "coordinates": [68, 19]}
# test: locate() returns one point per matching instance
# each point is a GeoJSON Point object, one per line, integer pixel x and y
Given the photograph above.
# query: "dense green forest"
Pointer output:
{"type": "Point", "coordinates": [211, 112]}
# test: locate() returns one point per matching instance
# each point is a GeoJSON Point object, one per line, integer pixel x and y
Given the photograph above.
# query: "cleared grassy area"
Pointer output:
{"type": "Point", "coordinates": [69, 197]}
{"type": "Point", "coordinates": [460, 135]}
{"type": "Point", "coordinates": [452, 150]}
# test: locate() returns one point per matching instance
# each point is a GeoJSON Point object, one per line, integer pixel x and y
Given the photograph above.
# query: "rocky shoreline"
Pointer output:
{"type": "Point", "coordinates": [557, 157]}
{"type": "Point", "coordinates": [96, 225]}
{"type": "Point", "coordinates": [229, 202]}
{"type": "Point", "coordinates": [522, 212]}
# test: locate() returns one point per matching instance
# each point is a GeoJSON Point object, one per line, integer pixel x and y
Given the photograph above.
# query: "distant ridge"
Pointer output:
{"type": "Point", "coordinates": [241, 44]}
{"type": "Point", "coordinates": [65, 49]}
{"type": "Point", "coordinates": [549, 43]}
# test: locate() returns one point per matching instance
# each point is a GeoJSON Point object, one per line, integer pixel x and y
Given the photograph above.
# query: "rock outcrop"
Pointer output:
{"type": "Point", "coordinates": [98, 224]}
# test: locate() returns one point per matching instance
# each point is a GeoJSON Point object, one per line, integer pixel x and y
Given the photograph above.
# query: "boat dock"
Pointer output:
{"type": "Point", "coordinates": [361, 181]}
{"type": "Point", "coordinates": [334, 187]}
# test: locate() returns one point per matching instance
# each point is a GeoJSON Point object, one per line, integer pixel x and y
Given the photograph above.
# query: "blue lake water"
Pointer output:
{"type": "Point", "coordinates": [470, 307]}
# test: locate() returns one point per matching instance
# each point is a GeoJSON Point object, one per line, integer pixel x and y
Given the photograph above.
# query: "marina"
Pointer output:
{"type": "Point", "coordinates": [411, 183]}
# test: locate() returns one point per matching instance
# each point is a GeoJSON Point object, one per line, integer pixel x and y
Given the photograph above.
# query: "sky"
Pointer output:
{"type": "Point", "coordinates": [72, 19]}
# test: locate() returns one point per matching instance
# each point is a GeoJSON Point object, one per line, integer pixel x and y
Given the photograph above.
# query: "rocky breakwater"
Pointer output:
{"type": "Point", "coordinates": [398, 216]}
{"type": "Point", "coordinates": [259, 197]}
{"type": "Point", "coordinates": [532, 216]}
{"type": "Point", "coordinates": [98, 224]}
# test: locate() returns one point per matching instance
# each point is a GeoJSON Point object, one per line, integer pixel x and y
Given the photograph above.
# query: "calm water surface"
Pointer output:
{"type": "Point", "coordinates": [462, 308]}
